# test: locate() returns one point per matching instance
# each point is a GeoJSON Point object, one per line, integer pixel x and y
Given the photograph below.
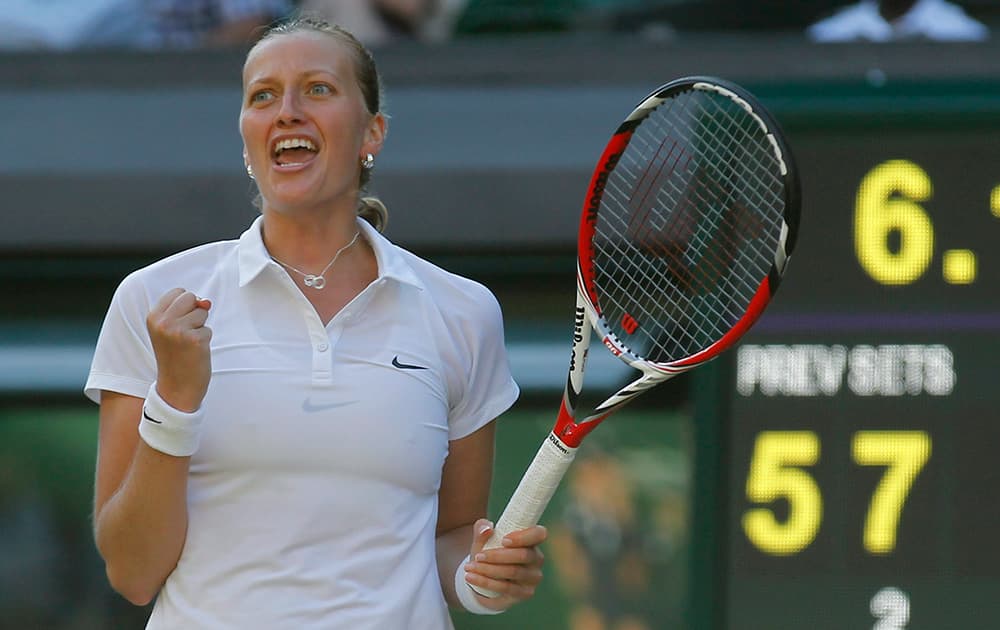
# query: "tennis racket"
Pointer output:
{"type": "Point", "coordinates": [687, 228]}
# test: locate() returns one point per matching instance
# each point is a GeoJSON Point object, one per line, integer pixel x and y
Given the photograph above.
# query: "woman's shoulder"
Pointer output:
{"type": "Point", "coordinates": [181, 267]}
{"type": "Point", "coordinates": [448, 287]}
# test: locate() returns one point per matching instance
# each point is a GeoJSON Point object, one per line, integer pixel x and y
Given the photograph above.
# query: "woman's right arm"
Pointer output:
{"type": "Point", "coordinates": [140, 498]}
{"type": "Point", "coordinates": [140, 506]}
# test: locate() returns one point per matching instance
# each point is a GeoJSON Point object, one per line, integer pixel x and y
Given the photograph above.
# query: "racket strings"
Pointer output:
{"type": "Point", "coordinates": [688, 226]}
{"type": "Point", "coordinates": [715, 260]}
{"type": "Point", "coordinates": [684, 225]}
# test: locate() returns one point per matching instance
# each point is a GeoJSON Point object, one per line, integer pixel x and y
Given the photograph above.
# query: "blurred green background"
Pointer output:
{"type": "Point", "coordinates": [618, 546]}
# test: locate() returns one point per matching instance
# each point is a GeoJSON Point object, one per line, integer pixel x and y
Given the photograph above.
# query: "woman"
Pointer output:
{"type": "Point", "coordinates": [314, 404]}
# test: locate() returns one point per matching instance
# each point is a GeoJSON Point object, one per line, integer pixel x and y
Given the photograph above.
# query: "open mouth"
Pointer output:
{"type": "Point", "coordinates": [293, 151]}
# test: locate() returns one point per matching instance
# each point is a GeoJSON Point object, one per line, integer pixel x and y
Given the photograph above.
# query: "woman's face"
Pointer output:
{"type": "Point", "coordinates": [304, 123]}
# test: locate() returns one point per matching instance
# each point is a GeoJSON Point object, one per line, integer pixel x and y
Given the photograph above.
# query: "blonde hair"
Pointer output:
{"type": "Point", "coordinates": [370, 209]}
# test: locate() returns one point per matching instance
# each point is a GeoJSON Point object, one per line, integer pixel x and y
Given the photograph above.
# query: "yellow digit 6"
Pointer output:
{"type": "Point", "coordinates": [886, 203]}
{"type": "Point", "coordinates": [773, 475]}
{"type": "Point", "coordinates": [905, 453]}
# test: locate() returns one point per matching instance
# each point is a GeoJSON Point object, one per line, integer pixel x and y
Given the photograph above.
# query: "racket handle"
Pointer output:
{"type": "Point", "coordinates": [532, 495]}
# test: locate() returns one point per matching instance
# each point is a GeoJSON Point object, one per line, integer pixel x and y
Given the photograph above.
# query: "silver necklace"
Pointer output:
{"type": "Point", "coordinates": [317, 281]}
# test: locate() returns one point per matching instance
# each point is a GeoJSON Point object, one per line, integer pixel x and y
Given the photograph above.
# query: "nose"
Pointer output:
{"type": "Point", "coordinates": [290, 112]}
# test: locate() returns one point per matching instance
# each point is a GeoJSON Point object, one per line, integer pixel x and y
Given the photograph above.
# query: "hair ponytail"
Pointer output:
{"type": "Point", "coordinates": [374, 211]}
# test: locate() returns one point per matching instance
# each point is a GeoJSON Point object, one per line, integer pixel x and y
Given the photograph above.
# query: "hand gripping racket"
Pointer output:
{"type": "Point", "coordinates": [687, 227]}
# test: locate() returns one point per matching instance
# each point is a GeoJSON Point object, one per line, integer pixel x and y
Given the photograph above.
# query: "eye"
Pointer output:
{"type": "Point", "coordinates": [320, 89]}
{"type": "Point", "coordinates": [261, 96]}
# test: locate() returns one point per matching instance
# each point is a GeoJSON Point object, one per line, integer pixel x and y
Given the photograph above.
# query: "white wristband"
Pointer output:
{"type": "Point", "coordinates": [167, 429]}
{"type": "Point", "coordinates": [467, 596]}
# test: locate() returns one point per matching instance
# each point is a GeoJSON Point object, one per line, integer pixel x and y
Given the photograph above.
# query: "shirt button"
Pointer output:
{"type": "Point", "coordinates": [323, 347]}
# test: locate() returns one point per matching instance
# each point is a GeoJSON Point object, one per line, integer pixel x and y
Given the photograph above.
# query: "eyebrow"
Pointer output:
{"type": "Point", "coordinates": [301, 75]}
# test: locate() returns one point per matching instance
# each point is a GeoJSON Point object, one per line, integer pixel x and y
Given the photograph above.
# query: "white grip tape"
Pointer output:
{"type": "Point", "coordinates": [533, 494]}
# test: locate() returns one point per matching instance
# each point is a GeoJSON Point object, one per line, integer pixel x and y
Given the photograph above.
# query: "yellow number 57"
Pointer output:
{"type": "Point", "coordinates": [776, 472]}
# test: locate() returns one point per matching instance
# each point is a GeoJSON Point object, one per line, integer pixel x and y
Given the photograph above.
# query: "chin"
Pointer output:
{"type": "Point", "coordinates": [291, 196]}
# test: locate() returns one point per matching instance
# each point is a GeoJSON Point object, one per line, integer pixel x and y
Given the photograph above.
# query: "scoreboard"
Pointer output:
{"type": "Point", "coordinates": [862, 448]}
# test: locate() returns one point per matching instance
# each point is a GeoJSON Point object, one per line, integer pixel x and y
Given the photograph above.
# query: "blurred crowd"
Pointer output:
{"type": "Point", "coordinates": [898, 20]}
{"type": "Point", "coordinates": [187, 24]}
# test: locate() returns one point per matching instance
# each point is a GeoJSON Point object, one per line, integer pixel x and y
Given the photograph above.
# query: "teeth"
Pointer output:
{"type": "Point", "coordinates": [294, 143]}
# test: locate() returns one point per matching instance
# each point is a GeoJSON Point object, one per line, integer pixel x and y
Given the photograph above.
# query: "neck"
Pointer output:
{"type": "Point", "coordinates": [318, 280]}
{"type": "Point", "coordinates": [307, 242]}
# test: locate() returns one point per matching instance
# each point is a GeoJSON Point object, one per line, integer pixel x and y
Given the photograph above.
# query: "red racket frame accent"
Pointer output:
{"type": "Point", "coordinates": [591, 203]}
{"type": "Point", "coordinates": [754, 311]}
{"type": "Point", "coordinates": [571, 432]}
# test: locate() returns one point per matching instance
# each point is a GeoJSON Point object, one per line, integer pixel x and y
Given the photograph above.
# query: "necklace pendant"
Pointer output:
{"type": "Point", "coordinates": [316, 282]}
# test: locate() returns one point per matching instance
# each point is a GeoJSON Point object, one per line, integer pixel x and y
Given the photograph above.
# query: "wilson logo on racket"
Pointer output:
{"type": "Point", "coordinates": [597, 186]}
{"type": "Point", "coordinates": [581, 320]}
{"type": "Point", "coordinates": [558, 444]}
{"type": "Point", "coordinates": [629, 324]}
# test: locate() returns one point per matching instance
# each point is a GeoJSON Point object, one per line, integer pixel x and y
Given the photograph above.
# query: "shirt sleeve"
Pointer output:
{"type": "Point", "coordinates": [488, 388]}
{"type": "Point", "coordinates": [123, 359]}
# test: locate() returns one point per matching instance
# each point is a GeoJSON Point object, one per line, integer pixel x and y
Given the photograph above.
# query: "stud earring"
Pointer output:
{"type": "Point", "coordinates": [368, 162]}
{"type": "Point", "coordinates": [249, 171]}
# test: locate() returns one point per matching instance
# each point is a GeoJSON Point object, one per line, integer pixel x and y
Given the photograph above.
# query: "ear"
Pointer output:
{"type": "Point", "coordinates": [375, 134]}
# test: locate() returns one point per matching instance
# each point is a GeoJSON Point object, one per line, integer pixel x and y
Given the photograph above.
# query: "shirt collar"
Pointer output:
{"type": "Point", "coordinates": [391, 263]}
{"type": "Point", "coordinates": [254, 257]}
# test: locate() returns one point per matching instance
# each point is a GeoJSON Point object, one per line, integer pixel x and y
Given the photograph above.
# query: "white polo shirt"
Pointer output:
{"type": "Point", "coordinates": [313, 497]}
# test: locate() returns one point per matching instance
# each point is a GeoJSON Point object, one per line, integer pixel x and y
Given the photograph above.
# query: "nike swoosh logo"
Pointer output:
{"type": "Point", "coordinates": [146, 416]}
{"type": "Point", "coordinates": [309, 406]}
{"type": "Point", "coordinates": [405, 366]}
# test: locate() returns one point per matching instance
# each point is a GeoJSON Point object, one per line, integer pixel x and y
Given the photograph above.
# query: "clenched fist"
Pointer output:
{"type": "Point", "coordinates": [181, 340]}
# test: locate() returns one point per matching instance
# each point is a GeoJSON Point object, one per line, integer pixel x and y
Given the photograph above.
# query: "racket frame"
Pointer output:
{"type": "Point", "coordinates": [559, 448]}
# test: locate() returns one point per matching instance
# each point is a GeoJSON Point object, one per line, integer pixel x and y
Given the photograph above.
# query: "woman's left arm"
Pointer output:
{"type": "Point", "coordinates": [513, 570]}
